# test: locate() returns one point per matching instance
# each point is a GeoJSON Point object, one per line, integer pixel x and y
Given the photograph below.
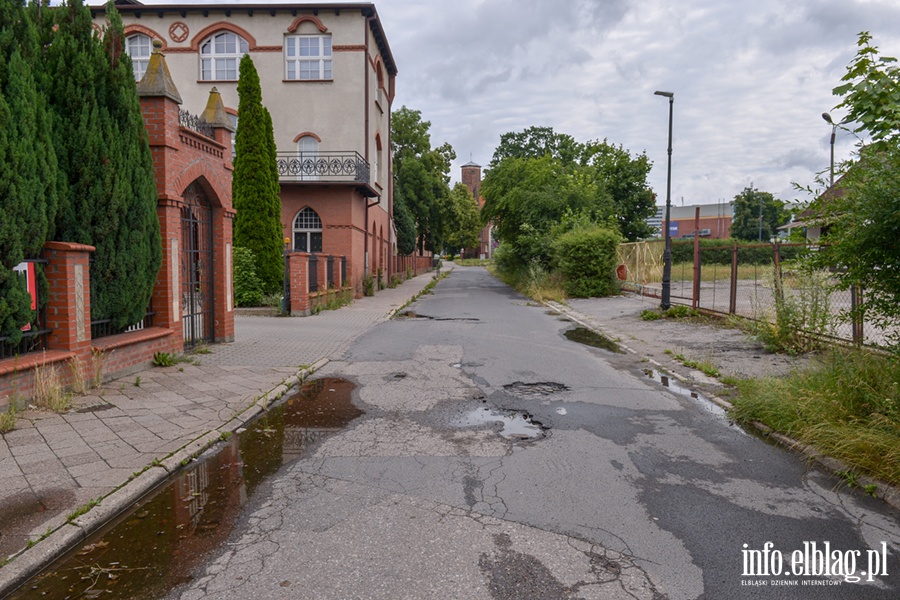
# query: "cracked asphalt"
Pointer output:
{"type": "Point", "coordinates": [630, 491]}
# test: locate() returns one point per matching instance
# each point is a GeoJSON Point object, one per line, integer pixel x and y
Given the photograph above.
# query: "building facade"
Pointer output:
{"type": "Point", "coordinates": [715, 220]}
{"type": "Point", "coordinates": [471, 177]}
{"type": "Point", "coordinates": [327, 78]}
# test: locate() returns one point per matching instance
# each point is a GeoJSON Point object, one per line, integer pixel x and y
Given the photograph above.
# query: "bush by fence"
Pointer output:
{"type": "Point", "coordinates": [586, 257]}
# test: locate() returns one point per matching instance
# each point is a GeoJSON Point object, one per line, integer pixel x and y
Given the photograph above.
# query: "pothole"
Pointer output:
{"type": "Point", "coordinates": [589, 337]}
{"type": "Point", "coordinates": [536, 389]}
{"type": "Point", "coordinates": [516, 425]}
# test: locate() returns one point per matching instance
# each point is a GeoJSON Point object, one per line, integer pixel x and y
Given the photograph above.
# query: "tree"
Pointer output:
{"type": "Point", "coordinates": [28, 168]}
{"type": "Point", "coordinates": [536, 142]}
{"type": "Point", "coordinates": [462, 224]}
{"type": "Point", "coordinates": [863, 221]}
{"type": "Point", "coordinates": [421, 175]}
{"type": "Point", "coordinates": [255, 188]}
{"type": "Point", "coordinates": [757, 215]}
{"type": "Point", "coordinates": [405, 225]}
{"type": "Point", "coordinates": [108, 199]}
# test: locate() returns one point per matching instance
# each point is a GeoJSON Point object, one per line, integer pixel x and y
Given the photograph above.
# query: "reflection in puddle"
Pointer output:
{"type": "Point", "coordinates": [517, 425]}
{"type": "Point", "coordinates": [677, 387]}
{"type": "Point", "coordinates": [589, 337]}
{"type": "Point", "coordinates": [155, 547]}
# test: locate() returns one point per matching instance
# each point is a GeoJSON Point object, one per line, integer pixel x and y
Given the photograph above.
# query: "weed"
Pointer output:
{"type": "Point", "coordinates": [225, 436]}
{"type": "Point", "coordinates": [368, 283]}
{"type": "Point", "coordinates": [871, 489]}
{"type": "Point", "coordinates": [651, 314]}
{"type": "Point", "coordinates": [78, 377]}
{"type": "Point", "coordinates": [680, 311]}
{"type": "Point", "coordinates": [201, 349]}
{"type": "Point", "coordinates": [8, 418]}
{"type": "Point", "coordinates": [181, 369]}
{"type": "Point", "coordinates": [137, 381]}
{"type": "Point", "coordinates": [729, 380]}
{"type": "Point", "coordinates": [155, 462]}
{"type": "Point", "coordinates": [668, 352]}
{"type": "Point", "coordinates": [704, 366]}
{"type": "Point", "coordinates": [163, 359]}
{"type": "Point", "coordinates": [81, 510]}
{"type": "Point", "coordinates": [48, 390]}
{"type": "Point", "coordinates": [802, 313]}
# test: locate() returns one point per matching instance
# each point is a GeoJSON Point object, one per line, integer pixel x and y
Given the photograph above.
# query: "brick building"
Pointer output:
{"type": "Point", "coordinates": [471, 177]}
{"type": "Point", "coordinates": [327, 77]}
{"type": "Point", "coordinates": [715, 220]}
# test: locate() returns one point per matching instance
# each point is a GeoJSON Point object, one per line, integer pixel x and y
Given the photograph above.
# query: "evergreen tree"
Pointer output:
{"type": "Point", "coordinates": [28, 166]}
{"type": "Point", "coordinates": [109, 197]}
{"type": "Point", "coordinates": [254, 187]}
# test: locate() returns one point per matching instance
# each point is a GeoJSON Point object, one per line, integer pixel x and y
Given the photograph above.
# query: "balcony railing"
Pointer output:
{"type": "Point", "coordinates": [326, 167]}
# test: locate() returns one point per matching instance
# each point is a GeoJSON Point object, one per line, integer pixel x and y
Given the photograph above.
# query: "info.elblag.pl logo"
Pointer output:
{"type": "Point", "coordinates": [815, 564]}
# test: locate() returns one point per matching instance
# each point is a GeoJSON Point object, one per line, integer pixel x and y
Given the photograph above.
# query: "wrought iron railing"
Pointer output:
{"type": "Point", "coordinates": [34, 334]}
{"type": "Point", "coordinates": [328, 167]}
{"type": "Point", "coordinates": [343, 271]}
{"type": "Point", "coordinates": [195, 123]}
{"type": "Point", "coordinates": [103, 327]}
{"type": "Point", "coordinates": [313, 272]}
{"type": "Point", "coordinates": [329, 272]}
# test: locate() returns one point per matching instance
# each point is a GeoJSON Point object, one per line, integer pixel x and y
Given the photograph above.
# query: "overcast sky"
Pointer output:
{"type": "Point", "coordinates": [751, 80]}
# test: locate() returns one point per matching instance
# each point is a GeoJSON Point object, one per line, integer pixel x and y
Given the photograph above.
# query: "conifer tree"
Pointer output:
{"type": "Point", "coordinates": [27, 165]}
{"type": "Point", "coordinates": [109, 197]}
{"type": "Point", "coordinates": [257, 222]}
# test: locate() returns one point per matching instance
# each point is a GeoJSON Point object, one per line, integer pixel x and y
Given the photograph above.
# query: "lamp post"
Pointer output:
{"type": "Point", "coordinates": [834, 127]}
{"type": "Point", "coordinates": [667, 254]}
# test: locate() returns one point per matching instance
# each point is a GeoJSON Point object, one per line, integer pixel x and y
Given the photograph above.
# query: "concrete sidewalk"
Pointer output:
{"type": "Point", "coordinates": [124, 438]}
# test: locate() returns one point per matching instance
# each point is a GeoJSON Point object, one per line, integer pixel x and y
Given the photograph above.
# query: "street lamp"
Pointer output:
{"type": "Point", "coordinates": [667, 254]}
{"type": "Point", "coordinates": [834, 127]}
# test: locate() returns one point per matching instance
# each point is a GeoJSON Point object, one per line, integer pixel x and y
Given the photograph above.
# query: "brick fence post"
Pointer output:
{"type": "Point", "coordinates": [298, 265]}
{"type": "Point", "coordinates": [69, 298]}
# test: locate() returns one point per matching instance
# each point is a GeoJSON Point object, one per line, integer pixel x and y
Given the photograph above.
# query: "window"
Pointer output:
{"type": "Point", "coordinates": [307, 57]}
{"type": "Point", "coordinates": [307, 231]}
{"type": "Point", "coordinates": [138, 47]}
{"type": "Point", "coordinates": [308, 146]}
{"type": "Point", "coordinates": [220, 56]}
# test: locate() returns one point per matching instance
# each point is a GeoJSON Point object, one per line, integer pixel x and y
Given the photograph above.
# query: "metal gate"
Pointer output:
{"type": "Point", "coordinates": [196, 267]}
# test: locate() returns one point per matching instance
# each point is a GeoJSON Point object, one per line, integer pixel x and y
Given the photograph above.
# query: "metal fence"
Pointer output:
{"type": "Point", "coordinates": [35, 333]}
{"type": "Point", "coordinates": [103, 327]}
{"type": "Point", "coordinates": [748, 280]}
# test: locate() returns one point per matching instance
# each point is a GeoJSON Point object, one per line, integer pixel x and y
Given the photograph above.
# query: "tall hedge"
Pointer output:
{"type": "Point", "coordinates": [28, 167]}
{"type": "Point", "coordinates": [254, 187]}
{"type": "Point", "coordinates": [586, 257]}
{"type": "Point", "coordinates": [109, 197]}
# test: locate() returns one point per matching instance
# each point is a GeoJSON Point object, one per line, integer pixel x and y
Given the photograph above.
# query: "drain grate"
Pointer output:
{"type": "Point", "coordinates": [536, 389]}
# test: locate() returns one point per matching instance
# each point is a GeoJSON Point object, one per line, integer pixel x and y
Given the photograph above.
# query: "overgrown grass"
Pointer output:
{"type": "Point", "coordinates": [676, 311]}
{"type": "Point", "coordinates": [847, 406]}
{"type": "Point", "coordinates": [8, 418]}
{"type": "Point", "coordinates": [473, 262]}
{"type": "Point", "coordinates": [534, 282]}
{"type": "Point", "coordinates": [49, 392]}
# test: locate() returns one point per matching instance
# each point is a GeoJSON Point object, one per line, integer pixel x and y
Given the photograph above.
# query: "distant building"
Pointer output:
{"type": "Point", "coordinates": [471, 177]}
{"type": "Point", "coordinates": [715, 220]}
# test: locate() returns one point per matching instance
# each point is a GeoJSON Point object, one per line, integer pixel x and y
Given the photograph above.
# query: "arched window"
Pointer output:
{"type": "Point", "coordinates": [220, 55]}
{"type": "Point", "coordinates": [138, 47]}
{"type": "Point", "coordinates": [308, 146]}
{"type": "Point", "coordinates": [307, 231]}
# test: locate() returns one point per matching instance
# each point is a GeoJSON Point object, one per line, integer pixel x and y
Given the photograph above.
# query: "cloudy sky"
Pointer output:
{"type": "Point", "coordinates": [751, 80]}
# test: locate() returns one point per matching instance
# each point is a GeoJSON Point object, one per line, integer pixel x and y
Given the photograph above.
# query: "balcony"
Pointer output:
{"type": "Point", "coordinates": [325, 168]}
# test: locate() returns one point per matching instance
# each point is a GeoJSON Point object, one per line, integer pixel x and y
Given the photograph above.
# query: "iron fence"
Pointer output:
{"type": "Point", "coordinates": [329, 271]}
{"type": "Point", "coordinates": [323, 166]}
{"type": "Point", "coordinates": [34, 334]}
{"type": "Point", "coordinates": [343, 271]}
{"type": "Point", "coordinates": [104, 327]}
{"type": "Point", "coordinates": [313, 272]}
{"type": "Point", "coordinates": [751, 281]}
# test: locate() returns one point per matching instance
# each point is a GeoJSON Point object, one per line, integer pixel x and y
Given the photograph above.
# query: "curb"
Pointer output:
{"type": "Point", "coordinates": [886, 492]}
{"type": "Point", "coordinates": [30, 561]}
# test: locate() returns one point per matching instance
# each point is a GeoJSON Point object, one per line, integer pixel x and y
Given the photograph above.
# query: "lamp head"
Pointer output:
{"type": "Point", "coordinates": [827, 118]}
{"type": "Point", "coordinates": [666, 94]}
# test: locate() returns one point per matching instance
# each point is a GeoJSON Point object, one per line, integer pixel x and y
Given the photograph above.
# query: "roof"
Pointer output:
{"type": "Point", "coordinates": [472, 163]}
{"type": "Point", "coordinates": [366, 8]}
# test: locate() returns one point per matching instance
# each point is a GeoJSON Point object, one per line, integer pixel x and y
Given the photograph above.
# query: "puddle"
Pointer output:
{"type": "Point", "coordinates": [679, 388]}
{"type": "Point", "coordinates": [536, 389]}
{"type": "Point", "coordinates": [154, 547]}
{"type": "Point", "coordinates": [517, 425]}
{"type": "Point", "coordinates": [588, 337]}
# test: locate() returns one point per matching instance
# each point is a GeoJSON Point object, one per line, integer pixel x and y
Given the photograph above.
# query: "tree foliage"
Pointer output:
{"type": "Point", "coordinates": [748, 206]}
{"type": "Point", "coordinates": [421, 176]}
{"type": "Point", "coordinates": [28, 168]}
{"type": "Point", "coordinates": [255, 188]}
{"type": "Point", "coordinates": [863, 219]}
{"type": "Point", "coordinates": [462, 223]}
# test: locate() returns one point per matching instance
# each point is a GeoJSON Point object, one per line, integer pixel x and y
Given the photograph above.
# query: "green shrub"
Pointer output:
{"type": "Point", "coordinates": [586, 258]}
{"type": "Point", "coordinates": [368, 283]}
{"type": "Point", "coordinates": [247, 286]}
{"type": "Point", "coordinates": [802, 313]}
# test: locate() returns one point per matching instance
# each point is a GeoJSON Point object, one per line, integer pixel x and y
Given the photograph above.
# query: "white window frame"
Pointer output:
{"type": "Point", "coordinates": [139, 47]}
{"type": "Point", "coordinates": [220, 56]}
{"type": "Point", "coordinates": [306, 223]}
{"type": "Point", "coordinates": [308, 58]}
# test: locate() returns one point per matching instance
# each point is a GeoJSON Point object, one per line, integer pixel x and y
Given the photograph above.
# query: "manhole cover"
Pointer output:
{"type": "Point", "coordinates": [538, 388]}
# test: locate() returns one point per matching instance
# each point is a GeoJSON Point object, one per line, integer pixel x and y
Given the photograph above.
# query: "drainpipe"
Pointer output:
{"type": "Point", "coordinates": [366, 28]}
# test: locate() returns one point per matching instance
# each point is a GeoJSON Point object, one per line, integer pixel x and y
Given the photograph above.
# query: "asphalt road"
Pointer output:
{"type": "Point", "coordinates": [626, 490]}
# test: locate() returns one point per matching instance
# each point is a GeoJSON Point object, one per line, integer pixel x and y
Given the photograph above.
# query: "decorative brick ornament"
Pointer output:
{"type": "Point", "coordinates": [179, 31]}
